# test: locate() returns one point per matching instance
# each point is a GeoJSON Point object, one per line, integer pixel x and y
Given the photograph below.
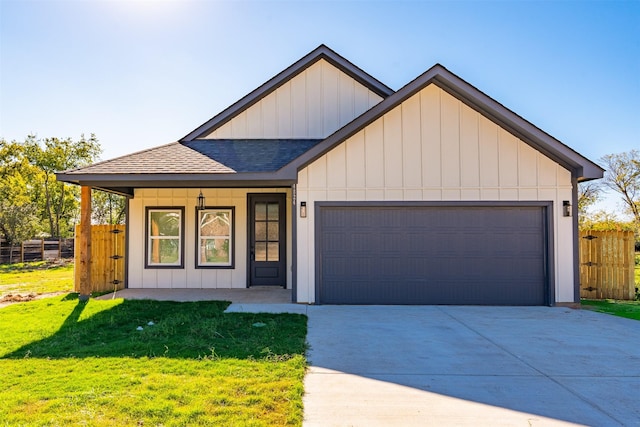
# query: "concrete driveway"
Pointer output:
{"type": "Point", "coordinates": [471, 366]}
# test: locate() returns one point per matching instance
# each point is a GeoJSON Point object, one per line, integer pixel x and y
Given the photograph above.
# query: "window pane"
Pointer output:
{"type": "Point", "coordinates": [165, 223]}
{"type": "Point", "coordinates": [261, 231]}
{"type": "Point", "coordinates": [273, 211]}
{"type": "Point", "coordinates": [273, 231]}
{"type": "Point", "coordinates": [169, 250]}
{"type": "Point", "coordinates": [215, 224]}
{"type": "Point", "coordinates": [214, 251]}
{"type": "Point", "coordinates": [273, 252]}
{"type": "Point", "coordinates": [261, 252]}
{"type": "Point", "coordinates": [261, 211]}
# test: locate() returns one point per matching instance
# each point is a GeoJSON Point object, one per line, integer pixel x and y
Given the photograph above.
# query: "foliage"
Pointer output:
{"type": "Point", "coordinates": [59, 201]}
{"type": "Point", "coordinates": [18, 220]}
{"type": "Point", "coordinates": [623, 176]}
{"type": "Point", "coordinates": [605, 221]}
{"type": "Point", "coordinates": [33, 202]}
{"type": "Point", "coordinates": [628, 309]}
{"type": "Point", "coordinates": [87, 363]}
{"type": "Point", "coordinates": [107, 208]}
{"type": "Point", "coordinates": [588, 194]}
{"type": "Point", "coordinates": [35, 277]}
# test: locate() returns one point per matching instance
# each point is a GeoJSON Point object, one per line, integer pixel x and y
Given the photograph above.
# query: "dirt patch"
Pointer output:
{"type": "Point", "coordinates": [10, 299]}
{"type": "Point", "coordinates": [18, 298]}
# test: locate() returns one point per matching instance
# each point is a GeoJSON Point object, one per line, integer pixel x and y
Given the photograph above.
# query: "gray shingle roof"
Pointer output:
{"type": "Point", "coordinates": [252, 155]}
{"type": "Point", "coordinates": [206, 156]}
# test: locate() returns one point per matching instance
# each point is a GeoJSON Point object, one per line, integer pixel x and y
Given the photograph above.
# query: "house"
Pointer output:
{"type": "Point", "coordinates": [325, 181]}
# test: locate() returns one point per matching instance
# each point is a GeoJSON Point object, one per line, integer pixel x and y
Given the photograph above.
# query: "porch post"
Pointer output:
{"type": "Point", "coordinates": [84, 244]}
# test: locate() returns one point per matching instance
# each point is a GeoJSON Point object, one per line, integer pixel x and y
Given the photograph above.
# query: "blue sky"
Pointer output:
{"type": "Point", "coordinates": [145, 73]}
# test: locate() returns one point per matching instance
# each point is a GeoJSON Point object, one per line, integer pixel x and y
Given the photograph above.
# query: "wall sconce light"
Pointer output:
{"type": "Point", "coordinates": [303, 209]}
{"type": "Point", "coordinates": [566, 208]}
{"type": "Point", "coordinates": [201, 201]}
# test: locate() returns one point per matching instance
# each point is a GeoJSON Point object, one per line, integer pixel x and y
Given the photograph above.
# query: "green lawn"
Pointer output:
{"type": "Point", "coordinates": [65, 362]}
{"type": "Point", "coordinates": [35, 277]}
{"type": "Point", "coordinates": [628, 309]}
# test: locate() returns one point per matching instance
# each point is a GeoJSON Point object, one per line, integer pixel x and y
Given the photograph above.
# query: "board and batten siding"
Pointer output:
{"type": "Point", "coordinates": [313, 104]}
{"type": "Point", "coordinates": [189, 276]}
{"type": "Point", "coordinates": [433, 147]}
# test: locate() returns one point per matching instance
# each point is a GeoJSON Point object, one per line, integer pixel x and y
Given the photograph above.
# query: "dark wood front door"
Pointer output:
{"type": "Point", "coordinates": [267, 239]}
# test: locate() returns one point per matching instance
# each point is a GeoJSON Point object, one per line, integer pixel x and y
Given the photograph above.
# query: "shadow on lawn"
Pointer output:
{"type": "Point", "coordinates": [146, 328]}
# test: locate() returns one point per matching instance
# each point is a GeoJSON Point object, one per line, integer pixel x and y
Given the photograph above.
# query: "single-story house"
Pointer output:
{"type": "Point", "coordinates": [327, 182]}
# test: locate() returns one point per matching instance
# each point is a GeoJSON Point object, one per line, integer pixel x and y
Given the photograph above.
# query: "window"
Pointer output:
{"type": "Point", "coordinates": [215, 238]}
{"type": "Point", "coordinates": [165, 241]}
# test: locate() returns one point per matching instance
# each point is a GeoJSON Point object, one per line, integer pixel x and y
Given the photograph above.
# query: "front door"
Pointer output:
{"type": "Point", "coordinates": [267, 237]}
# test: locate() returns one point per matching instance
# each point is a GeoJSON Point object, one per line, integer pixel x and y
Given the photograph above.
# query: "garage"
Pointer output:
{"type": "Point", "coordinates": [433, 253]}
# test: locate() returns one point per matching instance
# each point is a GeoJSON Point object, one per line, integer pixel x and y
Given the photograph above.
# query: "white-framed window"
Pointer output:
{"type": "Point", "coordinates": [164, 237]}
{"type": "Point", "coordinates": [215, 243]}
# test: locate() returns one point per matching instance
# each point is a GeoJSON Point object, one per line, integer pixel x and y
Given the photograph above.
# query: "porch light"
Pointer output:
{"type": "Point", "coordinates": [201, 203]}
{"type": "Point", "coordinates": [566, 208]}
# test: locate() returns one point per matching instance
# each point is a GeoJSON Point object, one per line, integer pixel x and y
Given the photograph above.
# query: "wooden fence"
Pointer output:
{"type": "Point", "coordinates": [36, 250]}
{"type": "Point", "coordinates": [107, 258]}
{"type": "Point", "coordinates": [607, 264]}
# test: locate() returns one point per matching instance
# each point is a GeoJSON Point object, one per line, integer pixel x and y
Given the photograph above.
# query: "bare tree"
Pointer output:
{"type": "Point", "coordinates": [588, 194]}
{"type": "Point", "coordinates": [623, 176]}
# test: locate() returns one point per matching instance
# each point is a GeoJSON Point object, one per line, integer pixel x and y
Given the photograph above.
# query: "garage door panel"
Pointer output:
{"type": "Point", "coordinates": [432, 255]}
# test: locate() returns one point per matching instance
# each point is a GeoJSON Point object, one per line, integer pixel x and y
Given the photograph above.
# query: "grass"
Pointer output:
{"type": "Point", "coordinates": [35, 277]}
{"type": "Point", "coordinates": [628, 309]}
{"type": "Point", "coordinates": [65, 362]}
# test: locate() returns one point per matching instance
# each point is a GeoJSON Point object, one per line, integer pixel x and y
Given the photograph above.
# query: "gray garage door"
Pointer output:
{"type": "Point", "coordinates": [480, 255]}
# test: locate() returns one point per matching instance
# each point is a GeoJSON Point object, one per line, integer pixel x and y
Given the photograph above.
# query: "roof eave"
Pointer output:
{"type": "Point", "coordinates": [125, 183]}
{"type": "Point", "coordinates": [581, 167]}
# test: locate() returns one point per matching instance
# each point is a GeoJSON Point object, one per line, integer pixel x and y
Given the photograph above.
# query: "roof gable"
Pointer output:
{"type": "Point", "coordinates": [581, 167]}
{"type": "Point", "coordinates": [195, 161]}
{"type": "Point", "coordinates": [322, 54]}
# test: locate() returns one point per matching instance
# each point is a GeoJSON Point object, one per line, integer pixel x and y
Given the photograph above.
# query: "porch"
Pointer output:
{"type": "Point", "coordinates": [257, 299]}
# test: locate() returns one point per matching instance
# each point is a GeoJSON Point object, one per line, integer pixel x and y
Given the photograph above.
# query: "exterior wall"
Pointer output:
{"type": "Point", "coordinates": [189, 276]}
{"type": "Point", "coordinates": [313, 104]}
{"type": "Point", "coordinates": [433, 147]}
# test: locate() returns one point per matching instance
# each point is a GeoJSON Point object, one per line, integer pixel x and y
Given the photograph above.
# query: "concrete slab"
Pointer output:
{"type": "Point", "coordinates": [267, 308]}
{"type": "Point", "coordinates": [254, 295]}
{"type": "Point", "coordinates": [441, 365]}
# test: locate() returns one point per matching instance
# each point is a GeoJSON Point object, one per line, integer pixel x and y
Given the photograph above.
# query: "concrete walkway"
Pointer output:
{"type": "Point", "coordinates": [254, 295]}
{"type": "Point", "coordinates": [471, 366]}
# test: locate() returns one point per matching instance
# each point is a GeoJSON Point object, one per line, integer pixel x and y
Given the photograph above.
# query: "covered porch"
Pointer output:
{"type": "Point", "coordinates": [259, 299]}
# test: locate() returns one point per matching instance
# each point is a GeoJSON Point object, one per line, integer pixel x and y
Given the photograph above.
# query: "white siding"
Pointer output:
{"type": "Point", "coordinates": [434, 147]}
{"type": "Point", "coordinates": [313, 104]}
{"type": "Point", "coordinates": [189, 276]}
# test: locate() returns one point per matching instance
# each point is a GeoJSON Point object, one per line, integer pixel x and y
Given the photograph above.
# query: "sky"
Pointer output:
{"type": "Point", "coordinates": [139, 74]}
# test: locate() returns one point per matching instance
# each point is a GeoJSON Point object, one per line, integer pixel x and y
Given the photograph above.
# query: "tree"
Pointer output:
{"type": "Point", "coordinates": [588, 194]}
{"type": "Point", "coordinates": [18, 219]}
{"type": "Point", "coordinates": [59, 202]}
{"type": "Point", "coordinates": [107, 208]}
{"type": "Point", "coordinates": [623, 176]}
{"type": "Point", "coordinates": [605, 221]}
